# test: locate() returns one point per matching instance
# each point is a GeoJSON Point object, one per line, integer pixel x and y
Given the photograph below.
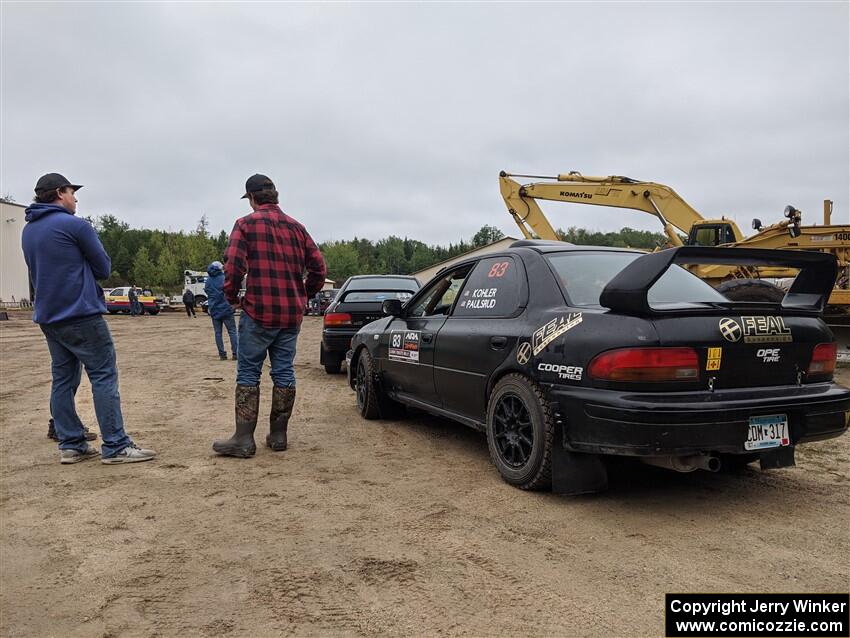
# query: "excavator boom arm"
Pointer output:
{"type": "Point", "coordinates": [620, 192]}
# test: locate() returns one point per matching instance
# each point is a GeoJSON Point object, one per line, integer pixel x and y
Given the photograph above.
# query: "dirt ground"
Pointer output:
{"type": "Point", "coordinates": [400, 528]}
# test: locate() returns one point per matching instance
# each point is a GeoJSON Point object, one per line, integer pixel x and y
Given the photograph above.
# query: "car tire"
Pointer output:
{"type": "Point", "coordinates": [372, 401]}
{"type": "Point", "coordinates": [517, 408]}
{"type": "Point", "coordinates": [367, 391]}
{"type": "Point", "coordinates": [751, 290]}
{"type": "Point", "coordinates": [154, 312]}
{"type": "Point", "coordinates": [333, 368]}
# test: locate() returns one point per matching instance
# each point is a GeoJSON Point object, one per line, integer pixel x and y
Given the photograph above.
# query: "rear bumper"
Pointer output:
{"type": "Point", "coordinates": [684, 423]}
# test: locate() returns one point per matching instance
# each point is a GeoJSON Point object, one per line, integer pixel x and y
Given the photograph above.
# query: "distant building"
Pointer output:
{"type": "Point", "coordinates": [426, 274]}
{"type": "Point", "coordinates": [14, 276]}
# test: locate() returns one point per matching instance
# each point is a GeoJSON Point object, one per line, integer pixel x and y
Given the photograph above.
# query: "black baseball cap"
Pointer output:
{"type": "Point", "coordinates": [257, 183]}
{"type": "Point", "coordinates": [52, 182]}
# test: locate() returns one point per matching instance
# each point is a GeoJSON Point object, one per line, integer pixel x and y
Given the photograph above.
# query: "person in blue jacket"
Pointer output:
{"type": "Point", "coordinates": [65, 260]}
{"type": "Point", "coordinates": [220, 311]}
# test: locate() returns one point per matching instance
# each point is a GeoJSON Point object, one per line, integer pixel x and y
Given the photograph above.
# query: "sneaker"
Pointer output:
{"type": "Point", "coordinates": [223, 357]}
{"type": "Point", "coordinates": [51, 432]}
{"type": "Point", "coordinates": [130, 454]}
{"type": "Point", "coordinates": [75, 456]}
{"type": "Point", "coordinates": [234, 357]}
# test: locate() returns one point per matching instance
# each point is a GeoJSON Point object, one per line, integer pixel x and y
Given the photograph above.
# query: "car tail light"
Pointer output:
{"type": "Point", "coordinates": [823, 360]}
{"type": "Point", "coordinates": [646, 364]}
{"type": "Point", "coordinates": [338, 319]}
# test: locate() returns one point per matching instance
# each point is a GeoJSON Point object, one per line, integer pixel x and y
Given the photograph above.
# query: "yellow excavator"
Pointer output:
{"type": "Point", "coordinates": [676, 215]}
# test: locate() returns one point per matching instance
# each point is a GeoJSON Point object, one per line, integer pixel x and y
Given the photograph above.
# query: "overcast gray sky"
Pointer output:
{"type": "Point", "coordinates": [379, 119]}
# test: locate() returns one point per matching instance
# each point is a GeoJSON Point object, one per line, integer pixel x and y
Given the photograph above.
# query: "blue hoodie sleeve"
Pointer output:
{"type": "Point", "coordinates": [93, 251]}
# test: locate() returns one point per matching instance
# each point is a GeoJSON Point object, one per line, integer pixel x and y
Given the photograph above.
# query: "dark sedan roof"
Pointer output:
{"type": "Point", "coordinates": [547, 246]}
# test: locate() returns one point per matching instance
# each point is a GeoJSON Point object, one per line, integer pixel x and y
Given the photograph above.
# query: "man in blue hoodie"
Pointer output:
{"type": "Point", "coordinates": [65, 260]}
{"type": "Point", "coordinates": [219, 310]}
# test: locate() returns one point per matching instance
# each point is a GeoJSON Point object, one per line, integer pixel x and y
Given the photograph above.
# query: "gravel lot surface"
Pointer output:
{"type": "Point", "coordinates": [400, 528]}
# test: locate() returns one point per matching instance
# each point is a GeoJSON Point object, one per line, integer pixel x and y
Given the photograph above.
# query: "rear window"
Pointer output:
{"type": "Point", "coordinates": [584, 276]}
{"type": "Point", "coordinates": [384, 283]}
{"type": "Point", "coordinates": [376, 295]}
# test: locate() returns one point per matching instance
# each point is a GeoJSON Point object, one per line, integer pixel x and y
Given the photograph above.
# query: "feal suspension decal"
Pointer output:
{"type": "Point", "coordinates": [755, 329]}
{"type": "Point", "coordinates": [550, 331]}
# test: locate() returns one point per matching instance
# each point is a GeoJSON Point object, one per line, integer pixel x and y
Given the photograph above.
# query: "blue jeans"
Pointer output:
{"type": "Point", "coordinates": [230, 323]}
{"type": "Point", "coordinates": [73, 344]}
{"type": "Point", "coordinates": [254, 342]}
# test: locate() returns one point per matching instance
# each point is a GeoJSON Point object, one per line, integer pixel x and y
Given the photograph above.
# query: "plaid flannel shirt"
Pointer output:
{"type": "Point", "coordinates": [275, 251]}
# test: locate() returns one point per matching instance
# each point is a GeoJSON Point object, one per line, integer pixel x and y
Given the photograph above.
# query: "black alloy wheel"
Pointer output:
{"type": "Point", "coordinates": [369, 396]}
{"type": "Point", "coordinates": [372, 401]}
{"type": "Point", "coordinates": [513, 431]}
{"type": "Point", "coordinates": [360, 384]}
{"type": "Point", "coordinates": [520, 432]}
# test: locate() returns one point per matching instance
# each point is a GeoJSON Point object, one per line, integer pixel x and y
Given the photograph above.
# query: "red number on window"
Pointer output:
{"type": "Point", "coordinates": [499, 269]}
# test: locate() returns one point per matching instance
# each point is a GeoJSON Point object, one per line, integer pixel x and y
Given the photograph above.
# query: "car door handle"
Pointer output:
{"type": "Point", "coordinates": [497, 343]}
{"type": "Point", "coordinates": [427, 338]}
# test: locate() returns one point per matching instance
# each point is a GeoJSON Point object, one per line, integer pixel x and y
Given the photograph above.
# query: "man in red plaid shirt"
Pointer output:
{"type": "Point", "coordinates": [275, 251]}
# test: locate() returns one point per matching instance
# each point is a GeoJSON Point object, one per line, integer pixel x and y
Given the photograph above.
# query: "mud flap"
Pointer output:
{"type": "Point", "coordinates": [778, 457]}
{"type": "Point", "coordinates": [574, 473]}
{"type": "Point", "coordinates": [349, 372]}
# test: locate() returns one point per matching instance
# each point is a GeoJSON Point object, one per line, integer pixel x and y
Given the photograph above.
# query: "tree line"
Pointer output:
{"type": "Point", "coordinates": [156, 259]}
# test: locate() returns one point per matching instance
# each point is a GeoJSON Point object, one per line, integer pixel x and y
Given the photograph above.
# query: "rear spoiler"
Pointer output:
{"type": "Point", "coordinates": [627, 292]}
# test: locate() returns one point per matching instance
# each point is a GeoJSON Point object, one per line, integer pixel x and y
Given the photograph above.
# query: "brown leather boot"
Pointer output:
{"type": "Point", "coordinates": [241, 444]}
{"type": "Point", "coordinates": [283, 400]}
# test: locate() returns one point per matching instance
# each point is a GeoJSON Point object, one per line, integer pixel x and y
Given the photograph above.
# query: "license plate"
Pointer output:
{"type": "Point", "coordinates": [767, 431]}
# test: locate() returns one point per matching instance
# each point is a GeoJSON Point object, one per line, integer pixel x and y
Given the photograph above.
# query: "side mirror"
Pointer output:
{"type": "Point", "coordinates": [757, 225]}
{"type": "Point", "coordinates": [391, 307]}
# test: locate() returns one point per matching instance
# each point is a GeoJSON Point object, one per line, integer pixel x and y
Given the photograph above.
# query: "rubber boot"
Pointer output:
{"type": "Point", "coordinates": [242, 444]}
{"type": "Point", "coordinates": [283, 399]}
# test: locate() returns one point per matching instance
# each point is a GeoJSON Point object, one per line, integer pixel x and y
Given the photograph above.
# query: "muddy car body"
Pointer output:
{"type": "Point", "coordinates": [565, 354]}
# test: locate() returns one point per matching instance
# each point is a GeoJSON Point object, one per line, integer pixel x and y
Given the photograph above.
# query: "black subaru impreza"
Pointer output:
{"type": "Point", "coordinates": [564, 354]}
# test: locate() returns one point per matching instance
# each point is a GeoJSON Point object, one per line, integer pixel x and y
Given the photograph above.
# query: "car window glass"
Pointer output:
{"type": "Point", "coordinates": [383, 283]}
{"type": "Point", "coordinates": [706, 237]}
{"type": "Point", "coordinates": [440, 296]}
{"type": "Point", "coordinates": [584, 275]}
{"type": "Point", "coordinates": [492, 289]}
{"type": "Point", "coordinates": [376, 295]}
{"type": "Point", "coordinates": [678, 285]}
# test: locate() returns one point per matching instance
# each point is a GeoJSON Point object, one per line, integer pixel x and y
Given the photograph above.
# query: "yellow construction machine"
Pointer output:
{"type": "Point", "coordinates": [676, 215]}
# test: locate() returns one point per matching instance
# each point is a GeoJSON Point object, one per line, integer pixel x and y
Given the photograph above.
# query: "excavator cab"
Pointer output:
{"type": "Point", "coordinates": [712, 233]}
